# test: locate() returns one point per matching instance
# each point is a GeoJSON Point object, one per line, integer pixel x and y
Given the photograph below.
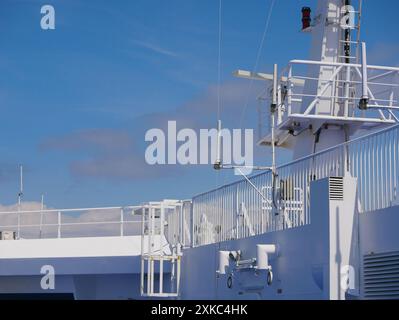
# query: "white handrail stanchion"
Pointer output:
{"type": "Point", "coordinates": [59, 225]}
{"type": "Point", "coordinates": [122, 222]}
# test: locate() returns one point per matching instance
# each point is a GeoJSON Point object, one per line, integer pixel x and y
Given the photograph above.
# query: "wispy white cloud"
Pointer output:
{"type": "Point", "coordinates": [109, 154]}
{"type": "Point", "coordinates": [119, 154]}
{"type": "Point", "coordinates": [155, 48]}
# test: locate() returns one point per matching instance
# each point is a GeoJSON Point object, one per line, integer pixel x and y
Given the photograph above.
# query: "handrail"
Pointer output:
{"type": "Point", "coordinates": [66, 224]}
{"type": "Point", "coordinates": [318, 153]}
{"type": "Point", "coordinates": [337, 64]}
{"type": "Point", "coordinates": [62, 218]}
{"type": "Point", "coordinates": [374, 162]}
{"type": "Point", "coordinates": [70, 210]}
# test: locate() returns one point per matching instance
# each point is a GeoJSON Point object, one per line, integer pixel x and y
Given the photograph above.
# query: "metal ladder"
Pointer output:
{"type": "Point", "coordinates": [158, 257]}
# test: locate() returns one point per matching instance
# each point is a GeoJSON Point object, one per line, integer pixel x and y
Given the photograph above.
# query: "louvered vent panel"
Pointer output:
{"type": "Point", "coordinates": [381, 275]}
{"type": "Point", "coordinates": [336, 188]}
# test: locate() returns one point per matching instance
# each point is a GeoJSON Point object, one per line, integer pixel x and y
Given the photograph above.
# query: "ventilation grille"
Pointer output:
{"type": "Point", "coordinates": [381, 275]}
{"type": "Point", "coordinates": [336, 188]}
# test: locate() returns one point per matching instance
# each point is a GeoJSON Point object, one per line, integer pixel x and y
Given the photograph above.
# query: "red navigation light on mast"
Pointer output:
{"type": "Point", "coordinates": [306, 19]}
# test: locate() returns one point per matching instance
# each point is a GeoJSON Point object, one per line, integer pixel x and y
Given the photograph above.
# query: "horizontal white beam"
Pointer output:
{"type": "Point", "coordinates": [336, 64]}
{"type": "Point", "coordinates": [70, 210]}
{"type": "Point", "coordinates": [264, 77]}
{"type": "Point", "coordinates": [338, 118]}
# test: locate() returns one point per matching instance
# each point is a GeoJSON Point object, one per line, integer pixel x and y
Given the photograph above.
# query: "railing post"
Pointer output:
{"type": "Point", "coordinates": [121, 223]}
{"type": "Point", "coordinates": [347, 91]}
{"type": "Point", "coordinates": [161, 252]}
{"type": "Point", "coordinates": [41, 225]}
{"type": "Point", "coordinates": [289, 95]}
{"type": "Point", "coordinates": [19, 226]}
{"type": "Point", "coordinates": [236, 212]}
{"type": "Point", "coordinates": [59, 225]}
{"type": "Point", "coordinates": [193, 224]}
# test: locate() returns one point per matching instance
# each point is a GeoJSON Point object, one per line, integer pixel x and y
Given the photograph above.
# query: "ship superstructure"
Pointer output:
{"type": "Point", "coordinates": [320, 227]}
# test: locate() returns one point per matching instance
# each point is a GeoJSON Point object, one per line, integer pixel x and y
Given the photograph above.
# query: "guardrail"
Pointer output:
{"type": "Point", "coordinates": [179, 225]}
{"type": "Point", "coordinates": [237, 210]}
{"type": "Point", "coordinates": [64, 223]}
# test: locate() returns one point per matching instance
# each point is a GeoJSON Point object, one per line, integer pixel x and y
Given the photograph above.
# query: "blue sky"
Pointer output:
{"type": "Point", "coordinates": [76, 101]}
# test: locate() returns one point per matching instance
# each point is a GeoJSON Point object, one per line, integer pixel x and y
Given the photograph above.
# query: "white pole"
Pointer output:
{"type": "Point", "coordinates": [289, 89]}
{"type": "Point", "coordinates": [21, 182]}
{"type": "Point", "coordinates": [149, 248]}
{"type": "Point", "coordinates": [273, 110]}
{"type": "Point", "coordinates": [151, 251]}
{"type": "Point", "coordinates": [365, 97]}
{"type": "Point", "coordinates": [143, 212]}
{"type": "Point", "coordinates": [178, 275]}
{"type": "Point", "coordinates": [41, 217]}
{"type": "Point", "coordinates": [219, 146]}
{"type": "Point", "coordinates": [59, 225]}
{"type": "Point", "coordinates": [274, 98]}
{"type": "Point", "coordinates": [20, 194]}
{"type": "Point", "coordinates": [161, 236]}
{"type": "Point", "coordinates": [347, 91]}
{"type": "Point", "coordinates": [121, 222]}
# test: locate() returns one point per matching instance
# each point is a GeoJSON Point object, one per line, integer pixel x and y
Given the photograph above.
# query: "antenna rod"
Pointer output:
{"type": "Point", "coordinates": [218, 162]}
{"type": "Point", "coordinates": [20, 194]}
{"type": "Point", "coordinates": [273, 109]}
{"type": "Point", "coordinates": [274, 98]}
{"type": "Point", "coordinates": [21, 185]}
{"type": "Point", "coordinates": [363, 103]}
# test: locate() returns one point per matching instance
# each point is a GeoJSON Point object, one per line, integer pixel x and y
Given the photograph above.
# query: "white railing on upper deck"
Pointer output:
{"type": "Point", "coordinates": [178, 229]}
{"type": "Point", "coordinates": [68, 223]}
{"type": "Point", "coordinates": [237, 210]}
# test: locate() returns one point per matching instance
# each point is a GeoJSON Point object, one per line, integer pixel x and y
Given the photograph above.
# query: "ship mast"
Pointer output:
{"type": "Point", "coordinates": [331, 43]}
{"type": "Point", "coordinates": [338, 97]}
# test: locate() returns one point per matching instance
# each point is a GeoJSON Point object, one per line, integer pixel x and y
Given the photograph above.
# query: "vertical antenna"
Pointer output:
{"type": "Point", "coordinates": [20, 195]}
{"type": "Point", "coordinates": [218, 162]}
{"type": "Point", "coordinates": [359, 25]}
{"type": "Point", "coordinates": [21, 185]}
{"type": "Point", "coordinates": [347, 37]}
{"type": "Point", "coordinates": [273, 109]}
{"type": "Point", "coordinates": [365, 96]}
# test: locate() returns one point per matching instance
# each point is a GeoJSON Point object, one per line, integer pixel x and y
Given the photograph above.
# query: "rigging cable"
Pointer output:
{"type": "Point", "coordinates": [258, 55]}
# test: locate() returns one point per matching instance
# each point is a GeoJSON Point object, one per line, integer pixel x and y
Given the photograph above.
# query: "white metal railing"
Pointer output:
{"type": "Point", "coordinates": [373, 159]}
{"type": "Point", "coordinates": [342, 88]}
{"type": "Point", "coordinates": [179, 225]}
{"type": "Point", "coordinates": [66, 223]}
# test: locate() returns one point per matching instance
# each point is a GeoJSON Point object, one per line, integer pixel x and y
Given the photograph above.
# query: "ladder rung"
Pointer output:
{"type": "Point", "coordinates": [349, 41]}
